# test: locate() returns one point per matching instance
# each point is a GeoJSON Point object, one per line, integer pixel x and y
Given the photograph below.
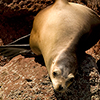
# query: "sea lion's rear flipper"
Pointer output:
{"type": "Point", "coordinates": [19, 46]}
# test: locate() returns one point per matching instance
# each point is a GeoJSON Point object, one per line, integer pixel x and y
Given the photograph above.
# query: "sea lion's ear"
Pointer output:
{"type": "Point", "coordinates": [71, 75]}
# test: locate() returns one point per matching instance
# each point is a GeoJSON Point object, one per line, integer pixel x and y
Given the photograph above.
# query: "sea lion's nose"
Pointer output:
{"type": "Point", "coordinates": [58, 88]}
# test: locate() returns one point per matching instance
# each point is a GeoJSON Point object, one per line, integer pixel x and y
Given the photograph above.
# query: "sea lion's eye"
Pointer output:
{"type": "Point", "coordinates": [54, 74]}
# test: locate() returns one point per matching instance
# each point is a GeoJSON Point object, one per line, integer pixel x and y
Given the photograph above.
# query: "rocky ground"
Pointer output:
{"type": "Point", "coordinates": [27, 78]}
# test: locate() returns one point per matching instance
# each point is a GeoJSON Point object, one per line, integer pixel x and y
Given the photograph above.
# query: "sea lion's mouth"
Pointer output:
{"type": "Point", "coordinates": [62, 89]}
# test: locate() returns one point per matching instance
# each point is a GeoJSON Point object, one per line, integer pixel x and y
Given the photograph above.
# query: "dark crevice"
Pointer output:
{"type": "Point", "coordinates": [28, 80]}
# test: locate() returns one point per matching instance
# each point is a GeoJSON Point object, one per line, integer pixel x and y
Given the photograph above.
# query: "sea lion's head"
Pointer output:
{"type": "Point", "coordinates": [63, 70]}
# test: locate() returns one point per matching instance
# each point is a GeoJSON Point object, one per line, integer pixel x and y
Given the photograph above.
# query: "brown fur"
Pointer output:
{"type": "Point", "coordinates": [59, 32]}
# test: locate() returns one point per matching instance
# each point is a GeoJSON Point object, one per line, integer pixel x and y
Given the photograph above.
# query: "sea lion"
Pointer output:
{"type": "Point", "coordinates": [61, 33]}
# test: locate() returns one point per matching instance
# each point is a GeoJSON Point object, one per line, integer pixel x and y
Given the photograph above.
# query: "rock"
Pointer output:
{"type": "Point", "coordinates": [95, 51]}
{"type": "Point", "coordinates": [3, 60]}
{"type": "Point", "coordinates": [1, 42]}
{"type": "Point", "coordinates": [24, 79]}
{"type": "Point", "coordinates": [16, 17]}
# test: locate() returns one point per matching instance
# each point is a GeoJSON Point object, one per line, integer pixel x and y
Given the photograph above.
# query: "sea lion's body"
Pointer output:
{"type": "Point", "coordinates": [58, 33]}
